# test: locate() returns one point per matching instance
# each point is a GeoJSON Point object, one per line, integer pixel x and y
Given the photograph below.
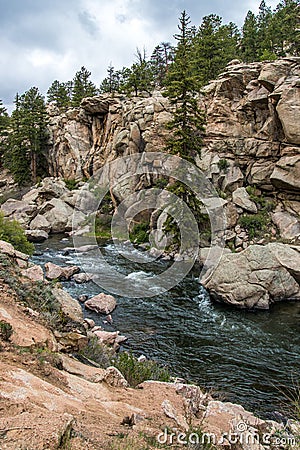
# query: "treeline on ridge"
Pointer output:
{"type": "Point", "coordinates": [209, 47]}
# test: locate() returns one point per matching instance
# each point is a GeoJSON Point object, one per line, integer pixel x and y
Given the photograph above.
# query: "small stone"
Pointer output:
{"type": "Point", "coordinates": [89, 322]}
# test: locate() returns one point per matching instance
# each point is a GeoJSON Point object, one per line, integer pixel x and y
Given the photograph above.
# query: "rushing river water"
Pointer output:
{"type": "Point", "coordinates": [247, 356]}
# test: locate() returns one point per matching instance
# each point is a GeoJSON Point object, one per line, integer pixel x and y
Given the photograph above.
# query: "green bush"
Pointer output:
{"type": "Point", "coordinates": [6, 330]}
{"type": "Point", "coordinates": [37, 296]}
{"type": "Point", "coordinates": [12, 232]}
{"type": "Point", "coordinates": [139, 233]}
{"type": "Point", "coordinates": [97, 352]}
{"type": "Point", "coordinates": [254, 223]}
{"type": "Point", "coordinates": [223, 165]}
{"type": "Point", "coordinates": [71, 184]}
{"type": "Point", "coordinates": [262, 203]}
{"type": "Point", "coordinates": [136, 371]}
{"type": "Point", "coordinates": [103, 226]}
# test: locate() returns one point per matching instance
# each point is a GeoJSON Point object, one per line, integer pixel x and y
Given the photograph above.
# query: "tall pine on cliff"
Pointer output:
{"type": "Point", "coordinates": [4, 125]}
{"type": "Point", "coordinates": [60, 94]}
{"type": "Point", "coordinates": [182, 87]}
{"type": "Point", "coordinates": [82, 86]}
{"type": "Point", "coordinates": [187, 125]}
{"type": "Point", "coordinates": [214, 45]}
{"type": "Point", "coordinates": [28, 137]}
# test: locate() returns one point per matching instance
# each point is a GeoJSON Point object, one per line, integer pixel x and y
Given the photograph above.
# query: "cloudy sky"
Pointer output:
{"type": "Point", "coordinates": [44, 40]}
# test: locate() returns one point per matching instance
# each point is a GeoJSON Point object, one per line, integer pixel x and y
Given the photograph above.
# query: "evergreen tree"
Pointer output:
{"type": "Point", "coordinates": [284, 28]}
{"type": "Point", "coordinates": [111, 82]}
{"type": "Point", "coordinates": [161, 59]}
{"type": "Point", "coordinates": [263, 32]}
{"type": "Point", "coordinates": [249, 50]}
{"type": "Point", "coordinates": [187, 125]}
{"type": "Point", "coordinates": [182, 86]}
{"type": "Point", "coordinates": [141, 76]}
{"type": "Point", "coordinates": [82, 86]}
{"type": "Point", "coordinates": [214, 46]}
{"type": "Point", "coordinates": [28, 139]}
{"type": "Point", "coordinates": [59, 93]}
{"type": "Point", "coordinates": [4, 121]}
{"type": "Point", "coordinates": [4, 125]}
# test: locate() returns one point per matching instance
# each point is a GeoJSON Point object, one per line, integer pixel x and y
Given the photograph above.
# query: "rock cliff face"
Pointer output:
{"type": "Point", "coordinates": [251, 152]}
{"type": "Point", "coordinates": [105, 127]}
{"type": "Point", "coordinates": [252, 137]}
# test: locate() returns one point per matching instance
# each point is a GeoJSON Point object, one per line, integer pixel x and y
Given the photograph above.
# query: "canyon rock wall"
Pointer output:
{"type": "Point", "coordinates": [252, 138]}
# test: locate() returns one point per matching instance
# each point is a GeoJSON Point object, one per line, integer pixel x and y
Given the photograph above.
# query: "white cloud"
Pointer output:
{"type": "Point", "coordinates": [46, 40]}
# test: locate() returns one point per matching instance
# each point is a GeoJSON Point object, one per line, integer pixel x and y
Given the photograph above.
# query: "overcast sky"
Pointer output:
{"type": "Point", "coordinates": [44, 40]}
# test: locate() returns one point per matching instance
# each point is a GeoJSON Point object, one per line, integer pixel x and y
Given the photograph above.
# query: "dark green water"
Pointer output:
{"type": "Point", "coordinates": [247, 356]}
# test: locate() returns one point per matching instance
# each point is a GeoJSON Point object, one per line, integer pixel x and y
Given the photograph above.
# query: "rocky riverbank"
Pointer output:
{"type": "Point", "coordinates": [81, 406]}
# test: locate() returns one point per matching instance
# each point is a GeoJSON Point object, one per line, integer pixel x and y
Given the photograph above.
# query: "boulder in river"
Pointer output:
{"type": "Point", "coordinates": [256, 277]}
{"type": "Point", "coordinates": [82, 277]}
{"type": "Point", "coordinates": [54, 272]}
{"type": "Point", "coordinates": [101, 303]}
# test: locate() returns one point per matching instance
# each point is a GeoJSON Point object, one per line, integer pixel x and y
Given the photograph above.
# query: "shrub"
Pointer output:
{"type": "Point", "coordinates": [6, 330]}
{"type": "Point", "coordinates": [36, 295]}
{"type": "Point", "coordinates": [136, 371]}
{"type": "Point", "coordinates": [262, 203]}
{"type": "Point", "coordinates": [97, 352]}
{"type": "Point", "coordinates": [103, 226]}
{"type": "Point", "coordinates": [71, 184]}
{"type": "Point", "coordinates": [12, 232]}
{"type": "Point", "coordinates": [139, 233]}
{"type": "Point", "coordinates": [160, 183]}
{"type": "Point", "coordinates": [254, 223]}
{"type": "Point", "coordinates": [223, 165]}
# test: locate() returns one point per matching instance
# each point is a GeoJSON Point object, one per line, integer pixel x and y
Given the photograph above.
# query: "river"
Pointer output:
{"type": "Point", "coordinates": [244, 357]}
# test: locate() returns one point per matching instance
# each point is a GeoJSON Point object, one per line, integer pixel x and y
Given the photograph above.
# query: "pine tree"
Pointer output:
{"type": "Point", "coordinates": [187, 125]}
{"type": "Point", "coordinates": [161, 59]}
{"type": "Point", "coordinates": [59, 93]}
{"type": "Point", "coordinates": [141, 76]}
{"type": "Point", "coordinates": [82, 86]}
{"type": "Point", "coordinates": [4, 125]}
{"type": "Point", "coordinates": [284, 28]}
{"type": "Point", "coordinates": [214, 46]}
{"type": "Point", "coordinates": [111, 82]}
{"type": "Point", "coordinates": [249, 50]}
{"type": "Point", "coordinates": [263, 23]}
{"type": "Point", "coordinates": [182, 86]}
{"type": "Point", "coordinates": [28, 139]}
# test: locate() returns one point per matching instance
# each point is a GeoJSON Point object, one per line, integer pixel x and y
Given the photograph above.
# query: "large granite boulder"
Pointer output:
{"type": "Point", "coordinates": [288, 224]}
{"type": "Point", "coordinates": [36, 235]}
{"type": "Point", "coordinates": [256, 277]}
{"type": "Point", "coordinates": [288, 111]}
{"type": "Point", "coordinates": [58, 214]}
{"type": "Point", "coordinates": [242, 199]}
